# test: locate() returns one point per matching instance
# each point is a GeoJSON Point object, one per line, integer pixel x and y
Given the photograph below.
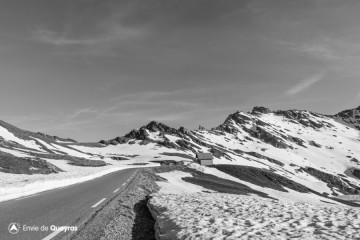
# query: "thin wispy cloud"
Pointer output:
{"type": "Point", "coordinates": [306, 83]}
{"type": "Point", "coordinates": [357, 97]}
{"type": "Point", "coordinates": [115, 33]}
{"type": "Point", "coordinates": [101, 43]}
{"type": "Point", "coordinates": [318, 51]}
{"type": "Point", "coordinates": [82, 111]}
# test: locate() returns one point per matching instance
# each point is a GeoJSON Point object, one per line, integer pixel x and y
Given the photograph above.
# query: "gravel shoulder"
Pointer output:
{"type": "Point", "coordinates": [126, 216]}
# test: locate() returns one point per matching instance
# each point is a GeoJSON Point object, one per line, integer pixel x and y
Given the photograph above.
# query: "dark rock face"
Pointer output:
{"type": "Point", "coordinates": [302, 117]}
{"type": "Point", "coordinates": [270, 138]}
{"type": "Point", "coordinates": [183, 130]}
{"type": "Point", "coordinates": [258, 155]}
{"type": "Point", "coordinates": [142, 134]}
{"type": "Point", "coordinates": [119, 158]}
{"type": "Point", "coordinates": [332, 181]}
{"type": "Point", "coordinates": [350, 116]}
{"type": "Point", "coordinates": [217, 153]}
{"type": "Point", "coordinates": [298, 141]}
{"type": "Point", "coordinates": [346, 113]}
{"type": "Point", "coordinates": [315, 144]}
{"type": "Point", "coordinates": [160, 127]}
{"type": "Point", "coordinates": [356, 173]}
{"type": "Point", "coordinates": [257, 110]}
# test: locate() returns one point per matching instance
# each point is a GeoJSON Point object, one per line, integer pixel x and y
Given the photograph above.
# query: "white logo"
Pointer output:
{"type": "Point", "coordinates": [14, 228]}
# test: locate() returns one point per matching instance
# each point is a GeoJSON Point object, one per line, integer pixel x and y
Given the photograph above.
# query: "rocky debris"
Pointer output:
{"type": "Point", "coordinates": [332, 181]}
{"type": "Point", "coordinates": [217, 153]}
{"type": "Point", "coordinates": [269, 138]}
{"type": "Point", "coordinates": [315, 144]}
{"type": "Point", "coordinates": [306, 118]}
{"type": "Point", "coordinates": [119, 158]}
{"type": "Point", "coordinates": [298, 141]}
{"type": "Point", "coordinates": [258, 155]}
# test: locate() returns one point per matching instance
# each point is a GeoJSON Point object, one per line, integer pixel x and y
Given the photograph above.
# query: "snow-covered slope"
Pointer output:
{"type": "Point", "coordinates": [318, 151]}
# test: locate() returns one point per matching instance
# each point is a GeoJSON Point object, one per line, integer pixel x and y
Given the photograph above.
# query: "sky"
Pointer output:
{"type": "Point", "coordinates": [95, 69]}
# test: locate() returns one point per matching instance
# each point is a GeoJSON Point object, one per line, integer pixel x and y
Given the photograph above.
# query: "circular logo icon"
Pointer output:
{"type": "Point", "coordinates": [14, 228]}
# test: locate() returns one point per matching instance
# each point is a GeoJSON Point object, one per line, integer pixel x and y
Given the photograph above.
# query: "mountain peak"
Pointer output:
{"type": "Point", "coordinates": [260, 110]}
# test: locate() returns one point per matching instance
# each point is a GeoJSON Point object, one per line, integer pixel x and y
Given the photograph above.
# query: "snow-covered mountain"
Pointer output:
{"type": "Point", "coordinates": [318, 151]}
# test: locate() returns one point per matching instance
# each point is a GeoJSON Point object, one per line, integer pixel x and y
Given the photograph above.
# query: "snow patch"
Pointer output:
{"type": "Point", "coordinates": [229, 216]}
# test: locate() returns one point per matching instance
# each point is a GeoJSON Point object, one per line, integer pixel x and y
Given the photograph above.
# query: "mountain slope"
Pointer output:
{"type": "Point", "coordinates": [317, 150]}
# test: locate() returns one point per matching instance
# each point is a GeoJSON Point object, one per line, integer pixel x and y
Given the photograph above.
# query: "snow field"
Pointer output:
{"type": "Point", "coordinates": [8, 136]}
{"type": "Point", "coordinates": [229, 216]}
{"type": "Point", "coordinates": [176, 185]}
{"type": "Point", "coordinates": [183, 211]}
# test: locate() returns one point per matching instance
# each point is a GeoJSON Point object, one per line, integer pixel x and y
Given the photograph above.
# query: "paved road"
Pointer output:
{"type": "Point", "coordinates": [69, 206]}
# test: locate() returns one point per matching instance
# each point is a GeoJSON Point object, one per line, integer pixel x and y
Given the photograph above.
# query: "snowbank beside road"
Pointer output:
{"type": "Point", "coordinates": [19, 185]}
{"type": "Point", "coordinates": [40, 184]}
{"type": "Point", "coordinates": [228, 216]}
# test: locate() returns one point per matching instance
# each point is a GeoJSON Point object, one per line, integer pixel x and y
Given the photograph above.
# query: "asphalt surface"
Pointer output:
{"type": "Point", "coordinates": [70, 206]}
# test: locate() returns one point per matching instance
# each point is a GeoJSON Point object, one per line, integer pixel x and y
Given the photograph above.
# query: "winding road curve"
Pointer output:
{"type": "Point", "coordinates": [69, 206]}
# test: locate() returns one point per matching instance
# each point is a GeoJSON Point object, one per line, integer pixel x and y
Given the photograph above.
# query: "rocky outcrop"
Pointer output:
{"type": "Point", "coordinates": [332, 181]}
{"type": "Point", "coordinates": [350, 116]}
{"type": "Point", "coordinates": [269, 138]}
{"type": "Point", "coordinates": [315, 144]}
{"type": "Point", "coordinates": [260, 156]}
{"type": "Point", "coordinates": [143, 134]}
{"type": "Point", "coordinates": [298, 141]}
{"type": "Point", "coordinates": [305, 118]}
{"type": "Point", "coordinates": [119, 158]}
{"type": "Point", "coordinates": [257, 110]}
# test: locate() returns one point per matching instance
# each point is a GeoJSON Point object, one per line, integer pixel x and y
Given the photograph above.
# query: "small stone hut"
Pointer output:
{"type": "Point", "coordinates": [204, 159]}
